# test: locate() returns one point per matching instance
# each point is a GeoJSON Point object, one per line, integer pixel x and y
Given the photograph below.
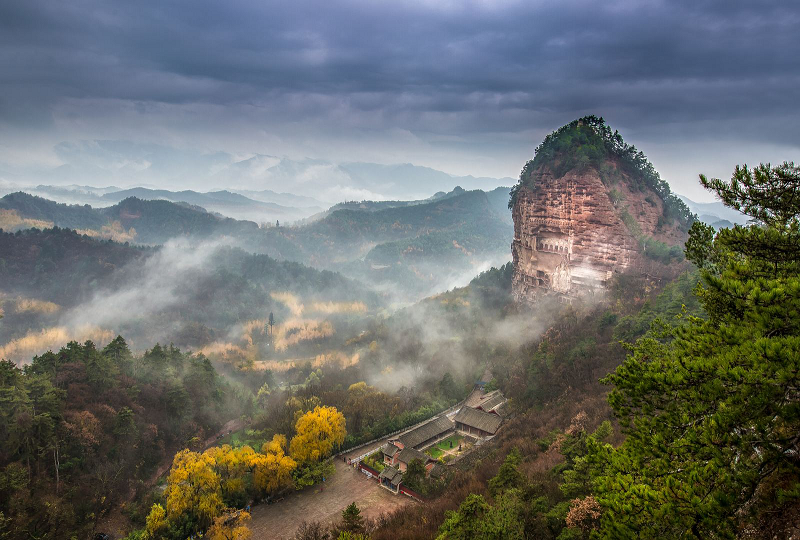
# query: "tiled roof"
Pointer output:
{"type": "Point", "coordinates": [393, 475]}
{"type": "Point", "coordinates": [389, 449]}
{"type": "Point", "coordinates": [478, 419]}
{"type": "Point", "coordinates": [409, 454]}
{"type": "Point", "coordinates": [492, 401]}
{"type": "Point", "coordinates": [425, 432]}
{"type": "Point", "coordinates": [388, 472]}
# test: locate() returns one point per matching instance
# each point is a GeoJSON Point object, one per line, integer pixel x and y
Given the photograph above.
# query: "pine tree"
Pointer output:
{"type": "Point", "coordinates": [509, 475]}
{"type": "Point", "coordinates": [711, 406]}
{"type": "Point", "coordinates": [352, 521]}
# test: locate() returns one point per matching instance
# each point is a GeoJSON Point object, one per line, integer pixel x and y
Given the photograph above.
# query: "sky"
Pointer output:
{"type": "Point", "coordinates": [466, 87]}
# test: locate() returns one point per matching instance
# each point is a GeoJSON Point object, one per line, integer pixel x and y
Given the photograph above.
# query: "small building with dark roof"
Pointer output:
{"type": "Point", "coordinates": [476, 422]}
{"type": "Point", "coordinates": [424, 435]}
{"type": "Point", "coordinates": [492, 402]}
{"type": "Point", "coordinates": [391, 478]}
{"type": "Point", "coordinates": [401, 457]}
{"type": "Point", "coordinates": [407, 455]}
{"type": "Point", "coordinates": [389, 452]}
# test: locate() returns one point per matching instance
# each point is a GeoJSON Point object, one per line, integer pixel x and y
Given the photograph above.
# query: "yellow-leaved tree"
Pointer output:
{"type": "Point", "coordinates": [318, 432]}
{"type": "Point", "coordinates": [233, 466]}
{"type": "Point", "coordinates": [230, 525]}
{"type": "Point", "coordinates": [156, 522]}
{"type": "Point", "coordinates": [193, 487]}
{"type": "Point", "coordinates": [272, 468]}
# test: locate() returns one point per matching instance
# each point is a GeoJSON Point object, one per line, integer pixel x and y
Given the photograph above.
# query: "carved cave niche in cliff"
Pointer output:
{"type": "Point", "coordinates": [561, 281]}
{"type": "Point", "coordinates": [554, 243]}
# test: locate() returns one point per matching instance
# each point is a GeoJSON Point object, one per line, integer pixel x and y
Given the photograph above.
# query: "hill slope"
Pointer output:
{"type": "Point", "coordinates": [57, 285]}
{"type": "Point", "coordinates": [132, 219]}
{"type": "Point", "coordinates": [412, 248]}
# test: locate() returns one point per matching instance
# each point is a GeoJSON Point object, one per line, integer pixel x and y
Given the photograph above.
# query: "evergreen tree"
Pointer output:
{"type": "Point", "coordinates": [352, 521]}
{"type": "Point", "coordinates": [509, 475]}
{"type": "Point", "coordinates": [711, 407]}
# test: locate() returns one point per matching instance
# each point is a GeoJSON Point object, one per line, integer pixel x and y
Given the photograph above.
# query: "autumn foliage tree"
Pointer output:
{"type": "Point", "coordinates": [193, 489]}
{"type": "Point", "coordinates": [231, 525]}
{"type": "Point", "coordinates": [204, 489]}
{"type": "Point", "coordinates": [318, 433]}
{"type": "Point", "coordinates": [272, 468]}
{"type": "Point", "coordinates": [233, 466]}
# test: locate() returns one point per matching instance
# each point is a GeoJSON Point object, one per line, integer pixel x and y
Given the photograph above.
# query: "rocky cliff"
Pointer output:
{"type": "Point", "coordinates": [589, 206]}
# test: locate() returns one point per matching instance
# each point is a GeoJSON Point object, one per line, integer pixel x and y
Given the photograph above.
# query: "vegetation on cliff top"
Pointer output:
{"type": "Point", "coordinates": [589, 143]}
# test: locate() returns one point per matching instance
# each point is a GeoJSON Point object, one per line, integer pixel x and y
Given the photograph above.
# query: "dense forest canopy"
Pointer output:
{"type": "Point", "coordinates": [82, 426]}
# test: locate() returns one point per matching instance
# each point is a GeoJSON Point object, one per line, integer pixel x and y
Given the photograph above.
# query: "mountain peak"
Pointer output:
{"type": "Point", "coordinates": [589, 205]}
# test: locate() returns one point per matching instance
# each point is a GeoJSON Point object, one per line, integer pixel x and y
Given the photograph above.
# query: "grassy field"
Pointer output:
{"type": "Point", "coordinates": [445, 444]}
{"type": "Point", "coordinates": [437, 450]}
{"type": "Point", "coordinates": [434, 452]}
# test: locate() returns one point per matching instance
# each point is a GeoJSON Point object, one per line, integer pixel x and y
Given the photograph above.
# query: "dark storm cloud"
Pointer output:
{"type": "Point", "coordinates": [221, 51]}
{"type": "Point", "coordinates": [439, 67]}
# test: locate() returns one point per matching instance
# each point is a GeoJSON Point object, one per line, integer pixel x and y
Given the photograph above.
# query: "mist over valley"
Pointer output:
{"type": "Point", "coordinates": [399, 271]}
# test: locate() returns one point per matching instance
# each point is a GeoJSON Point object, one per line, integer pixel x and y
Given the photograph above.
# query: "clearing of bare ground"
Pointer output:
{"type": "Point", "coordinates": [324, 503]}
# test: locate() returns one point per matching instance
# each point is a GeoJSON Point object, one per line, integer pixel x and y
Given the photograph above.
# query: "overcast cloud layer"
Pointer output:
{"type": "Point", "coordinates": [466, 87]}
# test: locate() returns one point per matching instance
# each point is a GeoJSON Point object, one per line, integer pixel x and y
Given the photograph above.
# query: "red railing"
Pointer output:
{"type": "Point", "coordinates": [370, 470]}
{"type": "Point", "coordinates": [411, 493]}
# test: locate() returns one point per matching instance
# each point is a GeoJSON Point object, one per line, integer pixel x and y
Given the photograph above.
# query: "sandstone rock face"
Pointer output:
{"type": "Point", "coordinates": [569, 235]}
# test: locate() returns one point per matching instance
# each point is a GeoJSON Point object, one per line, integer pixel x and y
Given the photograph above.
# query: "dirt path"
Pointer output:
{"type": "Point", "coordinates": [324, 503]}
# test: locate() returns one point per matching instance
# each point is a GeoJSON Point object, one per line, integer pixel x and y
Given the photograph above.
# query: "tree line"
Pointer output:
{"type": "Point", "coordinates": [82, 427]}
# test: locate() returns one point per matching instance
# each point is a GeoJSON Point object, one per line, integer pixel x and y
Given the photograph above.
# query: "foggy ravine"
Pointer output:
{"type": "Point", "coordinates": [155, 299]}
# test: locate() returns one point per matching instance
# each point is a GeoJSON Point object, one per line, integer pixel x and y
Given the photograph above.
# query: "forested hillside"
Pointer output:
{"type": "Point", "coordinates": [135, 220]}
{"type": "Point", "coordinates": [83, 428]}
{"type": "Point", "coordinates": [58, 285]}
{"type": "Point", "coordinates": [698, 435]}
{"type": "Point", "coordinates": [59, 265]}
{"type": "Point", "coordinates": [413, 248]}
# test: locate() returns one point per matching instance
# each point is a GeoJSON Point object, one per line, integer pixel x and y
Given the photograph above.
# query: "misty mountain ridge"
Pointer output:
{"type": "Point", "coordinates": [715, 213]}
{"type": "Point", "coordinates": [410, 249]}
{"type": "Point", "coordinates": [126, 163]}
{"type": "Point", "coordinates": [259, 208]}
{"type": "Point", "coordinates": [130, 220]}
{"type": "Point", "coordinates": [192, 294]}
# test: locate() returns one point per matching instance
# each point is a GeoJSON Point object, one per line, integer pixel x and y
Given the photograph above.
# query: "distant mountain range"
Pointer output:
{"type": "Point", "coordinates": [715, 214]}
{"type": "Point", "coordinates": [412, 248]}
{"type": "Point", "coordinates": [258, 206]}
{"type": "Point", "coordinates": [259, 176]}
{"type": "Point", "coordinates": [130, 220]}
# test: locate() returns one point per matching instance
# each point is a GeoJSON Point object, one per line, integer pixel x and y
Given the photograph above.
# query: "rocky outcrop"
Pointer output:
{"type": "Point", "coordinates": [574, 230]}
{"type": "Point", "coordinates": [568, 237]}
